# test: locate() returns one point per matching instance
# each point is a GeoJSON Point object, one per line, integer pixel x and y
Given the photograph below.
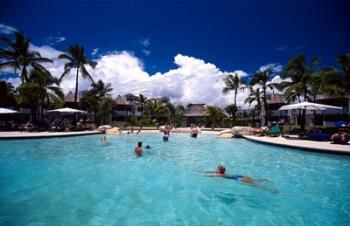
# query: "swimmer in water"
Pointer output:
{"type": "Point", "coordinates": [220, 172]}
{"type": "Point", "coordinates": [138, 149]}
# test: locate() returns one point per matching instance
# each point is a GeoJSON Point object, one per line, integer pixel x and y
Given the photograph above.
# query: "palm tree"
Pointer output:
{"type": "Point", "coordinates": [231, 110]}
{"type": "Point", "coordinates": [49, 91]}
{"type": "Point", "coordinates": [29, 96]}
{"type": "Point", "coordinates": [254, 96]}
{"type": "Point", "coordinates": [18, 56]}
{"type": "Point", "coordinates": [232, 83]}
{"type": "Point", "coordinates": [215, 114]}
{"type": "Point", "coordinates": [77, 60]}
{"type": "Point", "coordinates": [344, 62]}
{"type": "Point", "coordinates": [7, 94]}
{"type": "Point", "coordinates": [261, 78]}
{"type": "Point", "coordinates": [300, 84]}
{"type": "Point", "coordinates": [105, 107]}
{"type": "Point", "coordinates": [142, 101]}
{"type": "Point", "coordinates": [327, 81]}
{"type": "Point", "coordinates": [157, 110]}
{"type": "Point", "coordinates": [101, 90]}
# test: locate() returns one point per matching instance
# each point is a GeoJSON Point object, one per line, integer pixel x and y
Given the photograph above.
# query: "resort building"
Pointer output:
{"type": "Point", "coordinates": [196, 113]}
{"type": "Point", "coordinates": [126, 107]}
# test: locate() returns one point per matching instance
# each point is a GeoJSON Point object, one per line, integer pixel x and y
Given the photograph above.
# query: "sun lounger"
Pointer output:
{"type": "Point", "coordinates": [274, 131]}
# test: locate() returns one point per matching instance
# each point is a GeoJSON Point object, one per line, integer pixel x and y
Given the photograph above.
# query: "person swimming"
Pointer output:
{"type": "Point", "coordinates": [221, 172]}
{"type": "Point", "coordinates": [138, 149]}
{"type": "Point", "coordinates": [104, 140]}
{"type": "Point", "coordinates": [148, 147]}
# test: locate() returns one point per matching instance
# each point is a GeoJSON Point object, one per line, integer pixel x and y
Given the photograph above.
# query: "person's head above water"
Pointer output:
{"type": "Point", "coordinates": [220, 169]}
{"type": "Point", "coordinates": [139, 144]}
{"type": "Point", "coordinates": [148, 147]}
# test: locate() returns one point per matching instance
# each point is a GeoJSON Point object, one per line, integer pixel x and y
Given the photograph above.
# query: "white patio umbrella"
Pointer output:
{"type": "Point", "coordinates": [308, 106]}
{"type": "Point", "coordinates": [68, 110]}
{"type": "Point", "coordinates": [4, 111]}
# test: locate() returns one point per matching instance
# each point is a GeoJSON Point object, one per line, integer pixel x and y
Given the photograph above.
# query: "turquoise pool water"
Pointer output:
{"type": "Point", "coordinates": [78, 181]}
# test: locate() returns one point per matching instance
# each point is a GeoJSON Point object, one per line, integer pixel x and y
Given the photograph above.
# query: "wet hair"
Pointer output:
{"type": "Point", "coordinates": [139, 144]}
{"type": "Point", "coordinates": [221, 168]}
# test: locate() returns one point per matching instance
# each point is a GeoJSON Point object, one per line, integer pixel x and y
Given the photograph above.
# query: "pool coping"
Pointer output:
{"type": "Point", "coordinates": [39, 135]}
{"type": "Point", "coordinates": [304, 145]}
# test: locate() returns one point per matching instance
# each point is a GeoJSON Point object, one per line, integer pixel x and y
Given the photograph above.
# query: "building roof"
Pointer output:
{"type": "Point", "coordinates": [70, 96]}
{"type": "Point", "coordinates": [276, 99]}
{"type": "Point", "coordinates": [195, 110]}
{"type": "Point", "coordinates": [120, 100]}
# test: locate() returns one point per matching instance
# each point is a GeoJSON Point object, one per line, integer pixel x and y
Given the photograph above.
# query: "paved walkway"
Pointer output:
{"type": "Point", "coordinates": [320, 146]}
{"type": "Point", "coordinates": [25, 135]}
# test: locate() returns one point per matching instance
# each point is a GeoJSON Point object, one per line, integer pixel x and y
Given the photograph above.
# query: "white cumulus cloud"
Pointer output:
{"type": "Point", "coordinates": [192, 81]}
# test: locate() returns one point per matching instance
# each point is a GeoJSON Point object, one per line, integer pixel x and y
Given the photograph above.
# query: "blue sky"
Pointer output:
{"type": "Point", "coordinates": [232, 35]}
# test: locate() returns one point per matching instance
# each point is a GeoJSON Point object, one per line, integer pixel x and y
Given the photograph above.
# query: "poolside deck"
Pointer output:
{"type": "Point", "coordinates": [318, 146]}
{"type": "Point", "coordinates": [32, 135]}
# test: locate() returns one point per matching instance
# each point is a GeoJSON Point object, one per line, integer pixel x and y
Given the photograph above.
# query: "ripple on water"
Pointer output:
{"type": "Point", "coordinates": [78, 181]}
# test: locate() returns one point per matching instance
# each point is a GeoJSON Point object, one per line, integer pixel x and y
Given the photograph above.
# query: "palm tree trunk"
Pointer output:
{"type": "Point", "coordinates": [141, 119]}
{"type": "Point", "coordinates": [76, 87]}
{"type": "Point", "coordinates": [24, 76]}
{"type": "Point", "coordinates": [265, 105]}
{"type": "Point", "coordinates": [235, 98]}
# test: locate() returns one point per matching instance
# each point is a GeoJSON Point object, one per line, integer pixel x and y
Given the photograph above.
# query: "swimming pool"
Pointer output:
{"type": "Point", "coordinates": [78, 181]}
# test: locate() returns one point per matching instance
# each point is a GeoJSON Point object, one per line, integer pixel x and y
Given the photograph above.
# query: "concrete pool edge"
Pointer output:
{"type": "Point", "coordinates": [39, 135]}
{"type": "Point", "coordinates": [304, 145]}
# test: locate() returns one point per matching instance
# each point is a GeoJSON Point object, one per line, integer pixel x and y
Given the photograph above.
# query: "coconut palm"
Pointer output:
{"type": "Point", "coordinates": [142, 101]}
{"type": "Point", "coordinates": [7, 94]}
{"type": "Point", "coordinates": [101, 90]}
{"type": "Point", "coordinates": [157, 110]}
{"type": "Point", "coordinates": [344, 62]}
{"type": "Point", "coordinates": [231, 110]}
{"type": "Point", "coordinates": [105, 107]}
{"type": "Point", "coordinates": [328, 82]}
{"type": "Point", "coordinates": [29, 96]}
{"type": "Point", "coordinates": [300, 85]}
{"type": "Point", "coordinates": [77, 60]}
{"type": "Point", "coordinates": [255, 95]}
{"type": "Point", "coordinates": [232, 83]}
{"type": "Point", "coordinates": [261, 78]}
{"type": "Point", "coordinates": [49, 91]}
{"type": "Point", "coordinates": [18, 56]}
{"type": "Point", "coordinates": [214, 114]}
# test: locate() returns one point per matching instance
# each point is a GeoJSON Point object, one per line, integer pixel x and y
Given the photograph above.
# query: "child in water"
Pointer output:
{"type": "Point", "coordinates": [138, 149]}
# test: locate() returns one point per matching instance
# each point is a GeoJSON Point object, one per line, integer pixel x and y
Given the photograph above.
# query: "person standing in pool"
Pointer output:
{"type": "Point", "coordinates": [138, 149]}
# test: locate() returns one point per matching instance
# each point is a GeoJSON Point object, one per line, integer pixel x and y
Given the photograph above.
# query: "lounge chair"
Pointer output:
{"type": "Point", "coordinates": [274, 131]}
{"type": "Point", "coordinates": [318, 135]}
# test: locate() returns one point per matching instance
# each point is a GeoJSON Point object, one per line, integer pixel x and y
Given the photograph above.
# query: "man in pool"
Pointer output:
{"type": "Point", "coordinates": [138, 149]}
{"type": "Point", "coordinates": [220, 172]}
